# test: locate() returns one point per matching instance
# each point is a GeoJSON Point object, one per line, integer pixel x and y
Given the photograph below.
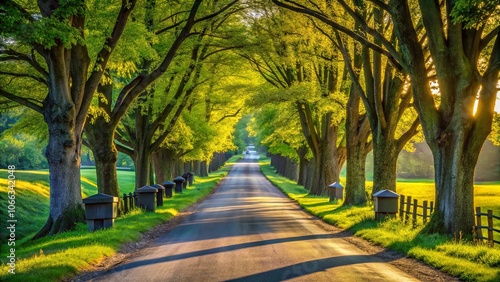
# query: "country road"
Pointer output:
{"type": "Point", "coordinates": [249, 231]}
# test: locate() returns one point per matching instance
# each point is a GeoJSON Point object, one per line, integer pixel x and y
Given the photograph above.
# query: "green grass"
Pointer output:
{"type": "Point", "coordinates": [126, 180]}
{"type": "Point", "coordinates": [461, 259]}
{"type": "Point", "coordinates": [56, 257]}
{"type": "Point", "coordinates": [32, 193]}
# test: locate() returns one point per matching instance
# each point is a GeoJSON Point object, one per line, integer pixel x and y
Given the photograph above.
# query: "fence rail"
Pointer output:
{"type": "Point", "coordinates": [478, 236]}
{"type": "Point", "coordinates": [411, 209]}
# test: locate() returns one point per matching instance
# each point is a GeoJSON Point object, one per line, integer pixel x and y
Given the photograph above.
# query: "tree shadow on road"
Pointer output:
{"type": "Point", "coordinates": [200, 253]}
{"type": "Point", "coordinates": [310, 267]}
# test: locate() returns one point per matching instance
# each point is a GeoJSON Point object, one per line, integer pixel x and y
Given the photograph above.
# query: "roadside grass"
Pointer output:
{"type": "Point", "coordinates": [32, 206]}
{"type": "Point", "coordinates": [32, 196]}
{"type": "Point", "coordinates": [63, 255]}
{"type": "Point", "coordinates": [126, 180]}
{"type": "Point", "coordinates": [459, 258]}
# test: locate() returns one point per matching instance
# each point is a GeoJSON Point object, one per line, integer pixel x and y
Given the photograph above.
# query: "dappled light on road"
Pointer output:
{"type": "Point", "coordinates": [249, 231]}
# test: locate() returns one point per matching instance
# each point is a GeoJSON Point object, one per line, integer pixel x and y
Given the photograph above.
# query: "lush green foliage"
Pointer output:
{"type": "Point", "coordinates": [473, 12]}
{"type": "Point", "coordinates": [459, 258]}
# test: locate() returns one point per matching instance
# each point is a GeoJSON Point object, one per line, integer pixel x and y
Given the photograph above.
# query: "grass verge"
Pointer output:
{"type": "Point", "coordinates": [55, 257]}
{"type": "Point", "coordinates": [32, 197]}
{"type": "Point", "coordinates": [461, 259]}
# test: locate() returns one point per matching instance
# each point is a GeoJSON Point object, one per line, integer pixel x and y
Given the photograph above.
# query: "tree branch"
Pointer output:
{"type": "Point", "coordinates": [104, 55]}
{"type": "Point", "coordinates": [217, 13]}
{"type": "Point", "coordinates": [21, 100]}
{"type": "Point", "coordinates": [392, 54]}
{"type": "Point", "coordinates": [173, 15]}
{"type": "Point", "coordinates": [36, 78]}
{"type": "Point", "coordinates": [229, 115]}
{"type": "Point", "coordinates": [125, 150]}
{"type": "Point", "coordinates": [222, 50]}
{"type": "Point", "coordinates": [169, 27]}
{"type": "Point", "coordinates": [408, 134]}
{"type": "Point", "coordinates": [14, 55]}
{"type": "Point", "coordinates": [120, 138]}
{"type": "Point", "coordinates": [489, 37]}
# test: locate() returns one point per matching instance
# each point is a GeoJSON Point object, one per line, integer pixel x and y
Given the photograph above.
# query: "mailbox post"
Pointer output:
{"type": "Point", "coordinates": [179, 180]}
{"type": "Point", "coordinates": [147, 195]}
{"type": "Point", "coordinates": [169, 185]}
{"type": "Point", "coordinates": [159, 195]}
{"type": "Point", "coordinates": [100, 211]}
{"type": "Point", "coordinates": [336, 191]}
{"type": "Point", "coordinates": [385, 203]}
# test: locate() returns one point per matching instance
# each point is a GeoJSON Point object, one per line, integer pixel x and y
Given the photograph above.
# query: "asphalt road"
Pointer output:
{"type": "Point", "coordinates": [249, 231]}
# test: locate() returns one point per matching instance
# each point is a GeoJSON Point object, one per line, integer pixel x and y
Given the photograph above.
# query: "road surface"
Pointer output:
{"type": "Point", "coordinates": [249, 231]}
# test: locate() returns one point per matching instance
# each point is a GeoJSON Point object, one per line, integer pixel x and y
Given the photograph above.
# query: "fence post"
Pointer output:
{"type": "Point", "coordinates": [125, 203]}
{"type": "Point", "coordinates": [479, 231]}
{"type": "Point", "coordinates": [490, 228]}
{"type": "Point", "coordinates": [408, 206]}
{"type": "Point", "coordinates": [432, 207]}
{"type": "Point", "coordinates": [415, 205]}
{"type": "Point", "coordinates": [401, 207]}
{"type": "Point", "coordinates": [131, 200]}
{"type": "Point", "coordinates": [425, 212]}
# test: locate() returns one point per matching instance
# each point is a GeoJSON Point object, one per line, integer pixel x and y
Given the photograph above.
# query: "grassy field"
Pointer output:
{"type": "Point", "coordinates": [32, 193]}
{"type": "Point", "coordinates": [459, 258]}
{"type": "Point", "coordinates": [56, 257]}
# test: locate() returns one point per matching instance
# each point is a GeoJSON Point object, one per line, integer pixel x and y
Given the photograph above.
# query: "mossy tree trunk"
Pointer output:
{"type": "Point", "coordinates": [358, 147]}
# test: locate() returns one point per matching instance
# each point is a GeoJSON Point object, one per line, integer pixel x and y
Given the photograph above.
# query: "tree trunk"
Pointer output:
{"type": "Point", "coordinates": [203, 169]}
{"type": "Point", "coordinates": [292, 169]}
{"type": "Point", "coordinates": [309, 172]}
{"type": "Point", "coordinates": [65, 126]}
{"type": "Point", "coordinates": [385, 160]}
{"type": "Point", "coordinates": [357, 133]}
{"type": "Point", "coordinates": [302, 151]}
{"type": "Point", "coordinates": [64, 156]}
{"type": "Point", "coordinates": [164, 165]}
{"type": "Point", "coordinates": [101, 141]}
{"type": "Point", "coordinates": [160, 165]}
{"type": "Point", "coordinates": [152, 179]}
{"type": "Point", "coordinates": [142, 162]}
{"type": "Point", "coordinates": [454, 163]}
{"type": "Point", "coordinates": [326, 163]}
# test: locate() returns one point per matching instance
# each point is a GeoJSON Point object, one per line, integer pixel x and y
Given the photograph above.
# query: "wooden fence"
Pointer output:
{"type": "Point", "coordinates": [129, 201]}
{"type": "Point", "coordinates": [411, 209]}
{"type": "Point", "coordinates": [478, 229]}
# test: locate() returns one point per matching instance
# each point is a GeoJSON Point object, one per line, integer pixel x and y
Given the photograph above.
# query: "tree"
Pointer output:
{"type": "Point", "coordinates": [217, 106]}
{"type": "Point", "coordinates": [277, 127]}
{"type": "Point", "coordinates": [386, 98]}
{"type": "Point", "coordinates": [50, 41]}
{"type": "Point", "coordinates": [465, 63]}
{"type": "Point", "coordinates": [160, 107]}
{"type": "Point", "coordinates": [311, 79]}
{"type": "Point", "coordinates": [172, 31]}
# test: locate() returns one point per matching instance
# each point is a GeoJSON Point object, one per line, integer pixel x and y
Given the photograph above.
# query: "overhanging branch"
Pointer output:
{"type": "Point", "coordinates": [21, 100]}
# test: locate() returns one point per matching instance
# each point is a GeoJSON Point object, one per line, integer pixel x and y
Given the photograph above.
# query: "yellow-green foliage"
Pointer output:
{"type": "Point", "coordinates": [462, 259]}
{"type": "Point", "coordinates": [62, 255]}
